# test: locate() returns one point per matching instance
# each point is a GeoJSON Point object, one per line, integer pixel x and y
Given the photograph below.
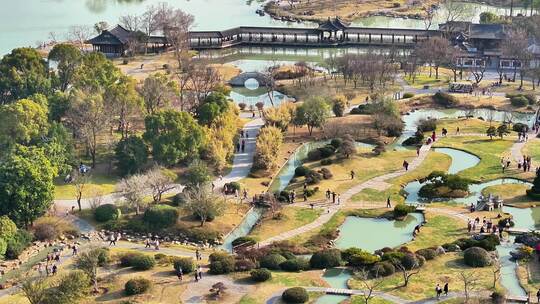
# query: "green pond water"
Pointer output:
{"type": "Point", "coordinates": [373, 233]}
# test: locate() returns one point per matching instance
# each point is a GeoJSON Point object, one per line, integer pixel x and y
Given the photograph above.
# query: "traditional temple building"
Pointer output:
{"type": "Point", "coordinates": [115, 42]}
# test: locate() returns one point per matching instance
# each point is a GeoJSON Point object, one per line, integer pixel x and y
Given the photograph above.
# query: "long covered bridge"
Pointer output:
{"type": "Point", "coordinates": [333, 32]}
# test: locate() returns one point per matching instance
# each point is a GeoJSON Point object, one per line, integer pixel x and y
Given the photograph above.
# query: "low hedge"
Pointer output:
{"type": "Point", "coordinates": [186, 264]}
{"type": "Point", "coordinates": [445, 99]}
{"type": "Point", "coordinates": [143, 262]}
{"type": "Point", "coordinates": [244, 241]}
{"type": "Point", "coordinates": [427, 253]}
{"type": "Point", "coordinates": [402, 210]}
{"type": "Point", "coordinates": [301, 171]}
{"type": "Point", "coordinates": [160, 216]}
{"type": "Point", "coordinates": [260, 275]}
{"type": "Point", "coordinates": [221, 263]}
{"type": "Point", "coordinates": [325, 259]}
{"type": "Point", "coordinates": [294, 265]}
{"type": "Point", "coordinates": [137, 286]}
{"type": "Point", "coordinates": [382, 269]}
{"type": "Point", "coordinates": [295, 295]}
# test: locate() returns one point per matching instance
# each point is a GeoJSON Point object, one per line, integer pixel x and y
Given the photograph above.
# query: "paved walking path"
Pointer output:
{"type": "Point", "coordinates": [378, 183]}
{"type": "Point", "coordinates": [240, 169]}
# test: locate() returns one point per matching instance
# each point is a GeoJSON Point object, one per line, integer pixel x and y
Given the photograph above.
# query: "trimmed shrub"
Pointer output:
{"type": "Point", "coordinates": [296, 264]}
{"type": "Point", "coordinates": [137, 286]}
{"type": "Point", "coordinates": [160, 216]}
{"type": "Point", "coordinates": [221, 263]}
{"type": "Point", "coordinates": [402, 210]}
{"type": "Point", "coordinates": [393, 256]}
{"type": "Point", "coordinates": [445, 99]}
{"type": "Point", "coordinates": [314, 155]}
{"type": "Point", "coordinates": [244, 265]}
{"type": "Point", "coordinates": [301, 171]}
{"type": "Point", "coordinates": [519, 101]}
{"type": "Point", "coordinates": [186, 264]}
{"type": "Point", "coordinates": [427, 253]}
{"type": "Point", "coordinates": [410, 261]}
{"type": "Point", "coordinates": [363, 259]}
{"type": "Point", "coordinates": [313, 177]}
{"type": "Point", "coordinates": [427, 125]}
{"type": "Point", "coordinates": [295, 295]}
{"type": "Point", "coordinates": [272, 261]}
{"type": "Point", "coordinates": [143, 262]}
{"type": "Point", "coordinates": [260, 275]}
{"type": "Point", "coordinates": [107, 212]}
{"type": "Point", "coordinates": [244, 241]}
{"type": "Point", "coordinates": [476, 257]}
{"type": "Point", "coordinates": [327, 151]}
{"type": "Point", "coordinates": [336, 142]}
{"type": "Point", "coordinates": [325, 259]}
{"type": "Point", "coordinates": [233, 186]}
{"type": "Point", "coordinates": [126, 259]}
{"type": "Point", "coordinates": [408, 95]}
{"type": "Point", "coordinates": [104, 256]}
{"type": "Point", "coordinates": [383, 269]}
{"type": "Point", "coordinates": [326, 173]}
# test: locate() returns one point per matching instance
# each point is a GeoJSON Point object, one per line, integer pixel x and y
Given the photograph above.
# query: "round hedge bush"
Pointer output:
{"type": "Point", "coordinates": [143, 262]}
{"type": "Point", "coordinates": [427, 253]}
{"type": "Point", "coordinates": [301, 171]}
{"type": "Point", "coordinates": [244, 265]}
{"type": "Point", "coordinates": [260, 275]}
{"type": "Point", "coordinates": [186, 264]}
{"type": "Point", "coordinates": [126, 259]}
{"type": "Point", "coordinates": [383, 269]}
{"type": "Point", "coordinates": [336, 142]}
{"type": "Point", "coordinates": [476, 257]}
{"type": "Point", "coordinates": [295, 295]}
{"type": "Point", "coordinates": [137, 286]}
{"type": "Point", "coordinates": [160, 216]}
{"type": "Point", "coordinates": [296, 264]}
{"type": "Point", "coordinates": [325, 259]}
{"type": "Point", "coordinates": [410, 261]}
{"type": "Point", "coordinates": [107, 212]}
{"type": "Point", "coordinates": [519, 101]}
{"type": "Point", "coordinates": [272, 261]}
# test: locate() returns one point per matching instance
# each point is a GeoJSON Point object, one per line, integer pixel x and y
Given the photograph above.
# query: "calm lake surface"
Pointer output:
{"type": "Point", "coordinates": [26, 22]}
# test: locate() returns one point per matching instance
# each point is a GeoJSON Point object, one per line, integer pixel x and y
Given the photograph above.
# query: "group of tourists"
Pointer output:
{"type": "Point", "coordinates": [332, 195]}
{"type": "Point", "coordinates": [49, 267]}
{"type": "Point", "coordinates": [113, 238]}
{"type": "Point", "coordinates": [523, 136]}
{"type": "Point", "coordinates": [439, 291]}
{"type": "Point", "coordinates": [487, 226]}
{"type": "Point", "coordinates": [197, 273]}
{"type": "Point", "coordinates": [149, 243]}
{"type": "Point", "coordinates": [241, 144]}
{"type": "Point", "coordinates": [525, 164]}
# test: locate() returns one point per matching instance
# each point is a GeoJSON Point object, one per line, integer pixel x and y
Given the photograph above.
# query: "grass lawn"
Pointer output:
{"type": "Point", "coordinates": [532, 148]}
{"type": "Point", "coordinates": [365, 164]}
{"type": "Point", "coordinates": [98, 184]}
{"type": "Point", "coordinates": [490, 153]}
{"type": "Point", "coordinates": [434, 161]}
{"type": "Point", "coordinates": [291, 218]}
{"type": "Point", "coordinates": [438, 230]}
{"type": "Point", "coordinates": [471, 125]}
{"type": "Point", "coordinates": [375, 300]}
{"type": "Point", "coordinates": [445, 268]}
{"type": "Point", "coordinates": [512, 194]}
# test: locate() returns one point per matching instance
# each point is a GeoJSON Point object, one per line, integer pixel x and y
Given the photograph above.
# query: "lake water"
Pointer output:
{"type": "Point", "coordinates": [24, 23]}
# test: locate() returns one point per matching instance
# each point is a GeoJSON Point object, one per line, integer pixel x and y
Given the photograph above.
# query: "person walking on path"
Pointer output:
{"type": "Point", "coordinates": [156, 245]}
{"type": "Point", "coordinates": [328, 193]}
{"type": "Point", "coordinates": [243, 145]}
{"type": "Point", "coordinates": [438, 291]}
{"type": "Point", "coordinates": [388, 205]}
{"type": "Point", "coordinates": [339, 199]}
{"type": "Point", "coordinates": [74, 249]}
{"type": "Point", "coordinates": [333, 197]}
{"type": "Point", "coordinates": [406, 165]}
{"type": "Point", "coordinates": [147, 243]}
{"type": "Point", "coordinates": [180, 274]}
{"type": "Point", "coordinates": [352, 174]}
{"type": "Point", "coordinates": [538, 296]}
{"type": "Point", "coordinates": [418, 151]}
{"type": "Point", "coordinates": [445, 289]}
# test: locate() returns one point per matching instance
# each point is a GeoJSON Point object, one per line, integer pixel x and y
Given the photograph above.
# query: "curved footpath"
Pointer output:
{"type": "Point", "coordinates": [240, 169]}
{"type": "Point", "coordinates": [378, 183]}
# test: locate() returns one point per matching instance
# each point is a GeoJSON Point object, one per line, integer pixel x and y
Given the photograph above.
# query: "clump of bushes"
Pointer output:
{"type": "Point", "coordinates": [301, 171]}
{"type": "Point", "coordinates": [488, 242]}
{"type": "Point", "coordinates": [244, 265]}
{"type": "Point", "coordinates": [18, 243]}
{"type": "Point", "coordinates": [476, 257]}
{"type": "Point", "coordinates": [445, 99]}
{"type": "Point", "coordinates": [414, 140]}
{"type": "Point", "coordinates": [326, 173]}
{"type": "Point", "coordinates": [520, 127]}
{"type": "Point", "coordinates": [260, 275]}
{"type": "Point", "coordinates": [521, 100]}
{"type": "Point", "coordinates": [272, 261]}
{"type": "Point", "coordinates": [359, 258]}
{"type": "Point", "coordinates": [427, 125]}
{"type": "Point", "coordinates": [186, 264]}
{"type": "Point", "coordinates": [382, 269]}
{"type": "Point", "coordinates": [137, 260]}
{"type": "Point", "coordinates": [107, 212]}
{"type": "Point", "coordinates": [160, 216]}
{"type": "Point", "coordinates": [427, 253]}
{"type": "Point", "coordinates": [221, 263]}
{"type": "Point", "coordinates": [295, 264]}
{"type": "Point", "coordinates": [336, 143]}
{"type": "Point", "coordinates": [441, 184]}
{"type": "Point", "coordinates": [51, 228]}
{"type": "Point", "coordinates": [325, 259]}
{"type": "Point", "coordinates": [402, 210]}
{"type": "Point", "coordinates": [137, 286]}
{"type": "Point", "coordinates": [326, 162]}
{"type": "Point", "coordinates": [295, 295]}
{"type": "Point", "coordinates": [313, 177]}
{"type": "Point", "coordinates": [179, 199]}
{"type": "Point", "coordinates": [322, 152]}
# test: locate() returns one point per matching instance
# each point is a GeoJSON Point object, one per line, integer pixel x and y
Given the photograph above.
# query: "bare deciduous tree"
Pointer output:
{"type": "Point", "coordinates": [203, 80]}
{"type": "Point", "coordinates": [160, 182]}
{"type": "Point", "coordinates": [369, 283]}
{"type": "Point", "coordinates": [204, 203]}
{"type": "Point", "coordinates": [78, 34]}
{"type": "Point", "coordinates": [470, 282]}
{"type": "Point", "coordinates": [407, 273]}
{"type": "Point", "coordinates": [80, 181]}
{"type": "Point", "coordinates": [133, 189]}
